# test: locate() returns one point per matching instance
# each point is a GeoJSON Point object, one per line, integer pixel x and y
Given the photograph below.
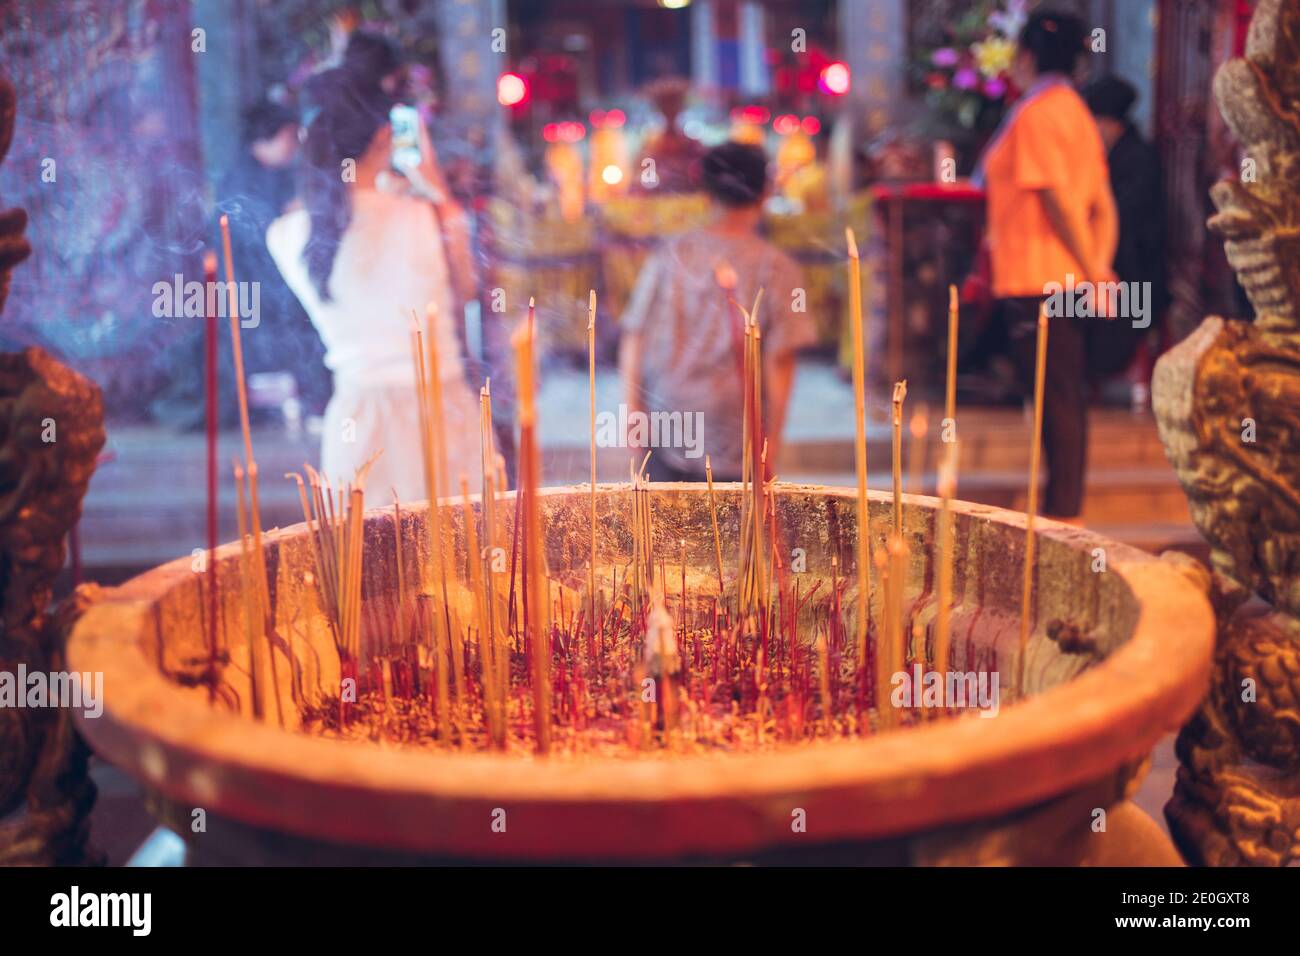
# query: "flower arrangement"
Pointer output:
{"type": "Point", "coordinates": [967, 76]}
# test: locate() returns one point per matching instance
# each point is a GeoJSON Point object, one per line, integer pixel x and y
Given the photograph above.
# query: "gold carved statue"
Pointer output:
{"type": "Point", "coordinates": [1227, 400]}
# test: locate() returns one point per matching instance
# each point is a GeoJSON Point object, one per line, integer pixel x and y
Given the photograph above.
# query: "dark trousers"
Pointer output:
{"type": "Point", "coordinates": [1065, 411]}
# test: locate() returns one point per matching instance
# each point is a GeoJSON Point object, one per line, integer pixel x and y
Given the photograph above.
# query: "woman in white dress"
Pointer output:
{"type": "Point", "coordinates": [361, 259]}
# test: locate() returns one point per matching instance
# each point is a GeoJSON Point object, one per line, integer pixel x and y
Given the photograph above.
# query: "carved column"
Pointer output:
{"type": "Point", "coordinates": [1228, 404]}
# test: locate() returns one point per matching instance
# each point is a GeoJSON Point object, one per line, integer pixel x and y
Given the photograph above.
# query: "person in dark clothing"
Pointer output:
{"type": "Point", "coordinates": [1138, 185]}
{"type": "Point", "coordinates": [252, 193]}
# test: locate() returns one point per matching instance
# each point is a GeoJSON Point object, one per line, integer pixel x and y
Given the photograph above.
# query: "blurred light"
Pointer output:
{"type": "Point", "coordinates": [755, 114]}
{"type": "Point", "coordinates": [597, 118]}
{"type": "Point", "coordinates": [674, 4]}
{"type": "Point", "coordinates": [835, 79]}
{"type": "Point", "coordinates": [615, 119]}
{"type": "Point", "coordinates": [572, 132]}
{"type": "Point", "coordinates": [551, 132]}
{"type": "Point", "coordinates": [512, 89]}
{"type": "Point", "coordinates": [785, 124]}
{"type": "Point", "coordinates": [811, 125]}
{"type": "Point", "coordinates": [612, 175]}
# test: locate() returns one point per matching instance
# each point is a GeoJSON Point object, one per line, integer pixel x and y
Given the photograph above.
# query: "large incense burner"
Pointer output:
{"type": "Point", "coordinates": [1118, 656]}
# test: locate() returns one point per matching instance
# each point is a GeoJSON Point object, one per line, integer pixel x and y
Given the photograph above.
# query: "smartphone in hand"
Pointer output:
{"type": "Point", "coordinates": [405, 121]}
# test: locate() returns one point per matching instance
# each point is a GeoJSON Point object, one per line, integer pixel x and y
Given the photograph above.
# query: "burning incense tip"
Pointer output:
{"type": "Point", "coordinates": [852, 242]}
{"type": "Point", "coordinates": [725, 276]}
{"type": "Point", "coordinates": [919, 424]}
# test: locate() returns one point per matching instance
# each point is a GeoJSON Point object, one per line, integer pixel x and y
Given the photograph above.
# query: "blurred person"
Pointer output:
{"type": "Point", "coordinates": [363, 250]}
{"type": "Point", "coordinates": [254, 193]}
{"type": "Point", "coordinates": [1138, 185]}
{"type": "Point", "coordinates": [681, 345]}
{"type": "Point", "coordinates": [1050, 216]}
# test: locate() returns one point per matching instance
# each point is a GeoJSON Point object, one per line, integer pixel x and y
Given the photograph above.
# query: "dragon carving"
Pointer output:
{"type": "Point", "coordinates": [51, 431]}
{"type": "Point", "coordinates": [1228, 404]}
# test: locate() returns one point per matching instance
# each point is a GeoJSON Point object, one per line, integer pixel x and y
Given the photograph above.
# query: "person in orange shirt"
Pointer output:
{"type": "Point", "coordinates": [1051, 223]}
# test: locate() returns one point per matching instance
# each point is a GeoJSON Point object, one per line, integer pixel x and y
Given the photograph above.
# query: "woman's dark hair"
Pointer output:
{"type": "Point", "coordinates": [265, 118]}
{"type": "Point", "coordinates": [735, 174]}
{"type": "Point", "coordinates": [351, 105]}
{"type": "Point", "coordinates": [1054, 39]}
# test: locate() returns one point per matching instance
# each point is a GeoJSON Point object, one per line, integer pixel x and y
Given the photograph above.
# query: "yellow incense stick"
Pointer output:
{"type": "Point", "coordinates": [236, 345]}
{"type": "Point", "coordinates": [536, 615]}
{"type": "Point", "coordinates": [1031, 511]}
{"type": "Point", "coordinates": [943, 620]}
{"type": "Point", "coordinates": [947, 490]}
{"type": "Point", "coordinates": [860, 444]}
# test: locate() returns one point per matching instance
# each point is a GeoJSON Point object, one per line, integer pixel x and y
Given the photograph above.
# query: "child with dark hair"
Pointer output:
{"type": "Point", "coordinates": [680, 349]}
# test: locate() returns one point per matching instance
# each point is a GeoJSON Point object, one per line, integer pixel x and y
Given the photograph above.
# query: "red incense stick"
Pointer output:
{"type": "Point", "coordinates": [210, 360]}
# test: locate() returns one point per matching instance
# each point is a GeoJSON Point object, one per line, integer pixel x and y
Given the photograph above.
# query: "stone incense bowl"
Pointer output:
{"type": "Point", "coordinates": [1117, 659]}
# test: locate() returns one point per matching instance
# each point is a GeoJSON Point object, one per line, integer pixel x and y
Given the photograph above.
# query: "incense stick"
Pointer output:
{"type": "Point", "coordinates": [950, 385]}
{"type": "Point", "coordinates": [824, 682]}
{"type": "Point", "coordinates": [713, 515]}
{"type": "Point", "coordinates": [257, 562]}
{"type": "Point", "coordinates": [237, 346]}
{"type": "Point", "coordinates": [860, 447]}
{"type": "Point", "coordinates": [246, 593]}
{"type": "Point", "coordinates": [210, 379]}
{"type": "Point", "coordinates": [438, 619]}
{"type": "Point", "coordinates": [900, 394]}
{"type": "Point", "coordinates": [1031, 511]}
{"type": "Point", "coordinates": [591, 405]}
{"type": "Point", "coordinates": [535, 607]}
{"type": "Point", "coordinates": [947, 490]}
{"type": "Point", "coordinates": [403, 629]}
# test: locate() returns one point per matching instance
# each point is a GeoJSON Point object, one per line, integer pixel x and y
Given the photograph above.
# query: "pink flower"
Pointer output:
{"type": "Point", "coordinates": [995, 88]}
{"type": "Point", "coordinates": [944, 57]}
{"type": "Point", "coordinates": [966, 79]}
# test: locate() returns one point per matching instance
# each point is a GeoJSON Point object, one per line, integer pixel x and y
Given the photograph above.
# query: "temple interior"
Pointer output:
{"type": "Point", "coordinates": [570, 432]}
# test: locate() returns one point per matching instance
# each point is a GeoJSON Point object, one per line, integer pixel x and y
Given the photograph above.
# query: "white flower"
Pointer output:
{"type": "Point", "coordinates": [1011, 21]}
